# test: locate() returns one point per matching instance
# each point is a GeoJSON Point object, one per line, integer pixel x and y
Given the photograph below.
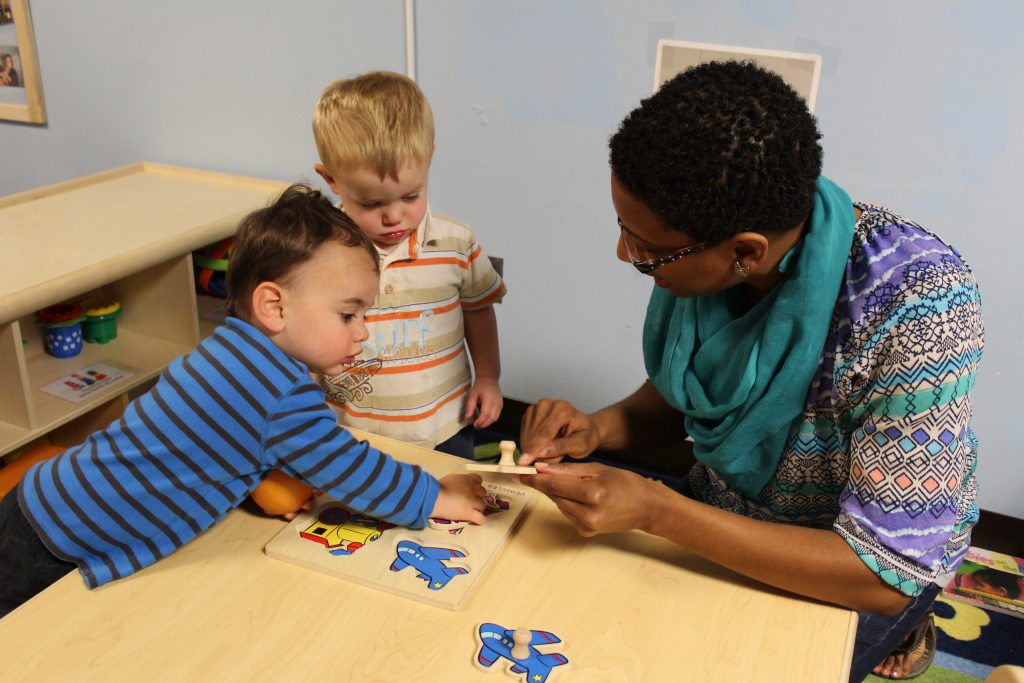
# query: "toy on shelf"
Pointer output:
{"type": "Point", "coordinates": [100, 324]}
{"type": "Point", "coordinates": [211, 267]}
{"type": "Point", "coordinates": [62, 325]}
{"type": "Point", "coordinates": [507, 463]}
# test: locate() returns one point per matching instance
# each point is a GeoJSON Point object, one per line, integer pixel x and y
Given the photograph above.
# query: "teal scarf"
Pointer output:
{"type": "Point", "coordinates": [741, 378]}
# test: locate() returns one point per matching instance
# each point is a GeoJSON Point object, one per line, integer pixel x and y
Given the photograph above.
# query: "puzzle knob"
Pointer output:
{"type": "Point", "coordinates": [507, 449]}
{"type": "Point", "coordinates": [521, 637]}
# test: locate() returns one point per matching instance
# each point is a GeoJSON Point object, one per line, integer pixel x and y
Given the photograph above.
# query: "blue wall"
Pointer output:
{"type": "Point", "coordinates": [915, 104]}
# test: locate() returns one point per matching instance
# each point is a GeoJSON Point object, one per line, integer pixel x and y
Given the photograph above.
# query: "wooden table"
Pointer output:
{"type": "Point", "coordinates": [629, 607]}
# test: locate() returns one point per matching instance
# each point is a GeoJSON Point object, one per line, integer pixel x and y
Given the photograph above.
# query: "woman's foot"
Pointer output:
{"type": "Point", "coordinates": [913, 656]}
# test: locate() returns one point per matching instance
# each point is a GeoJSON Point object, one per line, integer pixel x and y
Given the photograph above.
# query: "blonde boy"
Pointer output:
{"type": "Point", "coordinates": [375, 138]}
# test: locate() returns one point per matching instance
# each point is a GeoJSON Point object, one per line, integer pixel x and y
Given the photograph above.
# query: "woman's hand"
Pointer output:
{"type": "Point", "coordinates": [597, 499]}
{"type": "Point", "coordinates": [553, 429]}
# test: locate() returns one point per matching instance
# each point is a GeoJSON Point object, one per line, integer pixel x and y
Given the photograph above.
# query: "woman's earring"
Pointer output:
{"type": "Point", "coordinates": [741, 270]}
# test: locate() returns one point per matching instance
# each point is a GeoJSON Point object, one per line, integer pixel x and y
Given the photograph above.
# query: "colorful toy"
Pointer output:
{"type": "Point", "coordinates": [100, 324]}
{"type": "Point", "coordinates": [517, 646]}
{"type": "Point", "coordinates": [62, 325]}
{"type": "Point", "coordinates": [378, 565]}
{"type": "Point", "coordinates": [428, 562]}
{"type": "Point", "coordinates": [344, 532]}
{"type": "Point", "coordinates": [280, 494]}
{"type": "Point", "coordinates": [211, 266]}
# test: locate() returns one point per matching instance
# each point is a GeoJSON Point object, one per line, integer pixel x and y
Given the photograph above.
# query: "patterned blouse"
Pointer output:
{"type": "Point", "coordinates": [883, 452]}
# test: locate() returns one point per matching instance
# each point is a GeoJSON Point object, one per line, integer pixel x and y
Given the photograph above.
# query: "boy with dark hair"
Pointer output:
{"type": "Point", "coordinates": [221, 418]}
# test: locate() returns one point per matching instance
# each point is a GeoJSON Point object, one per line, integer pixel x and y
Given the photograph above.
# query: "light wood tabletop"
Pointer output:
{"type": "Point", "coordinates": [628, 607]}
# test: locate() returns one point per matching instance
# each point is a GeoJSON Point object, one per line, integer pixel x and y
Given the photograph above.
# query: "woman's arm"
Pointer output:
{"type": "Point", "coordinates": [815, 563]}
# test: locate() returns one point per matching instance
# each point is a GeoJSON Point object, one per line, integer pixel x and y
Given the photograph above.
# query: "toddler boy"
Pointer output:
{"type": "Point", "coordinates": [375, 138]}
{"type": "Point", "coordinates": [301, 279]}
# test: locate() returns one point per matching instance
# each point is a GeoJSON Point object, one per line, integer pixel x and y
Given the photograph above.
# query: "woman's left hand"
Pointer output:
{"type": "Point", "coordinates": [597, 499]}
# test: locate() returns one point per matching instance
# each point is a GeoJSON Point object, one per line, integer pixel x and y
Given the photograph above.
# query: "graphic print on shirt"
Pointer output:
{"type": "Point", "coordinates": [353, 383]}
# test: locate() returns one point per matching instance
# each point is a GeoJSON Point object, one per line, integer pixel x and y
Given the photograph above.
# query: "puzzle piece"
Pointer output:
{"type": "Point", "coordinates": [428, 561]}
{"type": "Point", "coordinates": [517, 646]}
{"type": "Point", "coordinates": [343, 532]}
{"type": "Point", "coordinates": [507, 463]}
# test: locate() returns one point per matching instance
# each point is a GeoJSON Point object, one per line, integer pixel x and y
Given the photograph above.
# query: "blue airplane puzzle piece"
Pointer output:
{"type": "Point", "coordinates": [497, 643]}
{"type": "Point", "coordinates": [428, 562]}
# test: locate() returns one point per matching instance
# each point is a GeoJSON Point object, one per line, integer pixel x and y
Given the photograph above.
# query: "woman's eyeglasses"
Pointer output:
{"type": "Point", "coordinates": [646, 266]}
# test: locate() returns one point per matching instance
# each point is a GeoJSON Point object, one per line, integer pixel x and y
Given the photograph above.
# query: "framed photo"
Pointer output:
{"type": "Point", "coordinates": [21, 92]}
{"type": "Point", "coordinates": [801, 70]}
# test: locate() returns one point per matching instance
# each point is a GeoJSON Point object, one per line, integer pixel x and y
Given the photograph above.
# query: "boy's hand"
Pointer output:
{"type": "Point", "coordinates": [461, 498]}
{"type": "Point", "coordinates": [485, 396]}
{"type": "Point", "coordinates": [305, 507]}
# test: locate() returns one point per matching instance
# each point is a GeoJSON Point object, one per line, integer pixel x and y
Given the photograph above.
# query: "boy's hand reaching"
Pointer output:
{"type": "Point", "coordinates": [485, 396]}
{"type": "Point", "coordinates": [461, 498]}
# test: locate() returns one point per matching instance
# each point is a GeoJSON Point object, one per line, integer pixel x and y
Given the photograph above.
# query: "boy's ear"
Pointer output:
{"type": "Point", "coordinates": [328, 178]}
{"type": "Point", "coordinates": [268, 306]}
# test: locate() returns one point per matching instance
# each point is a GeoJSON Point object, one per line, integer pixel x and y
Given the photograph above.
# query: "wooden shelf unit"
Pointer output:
{"type": "Point", "coordinates": [128, 233]}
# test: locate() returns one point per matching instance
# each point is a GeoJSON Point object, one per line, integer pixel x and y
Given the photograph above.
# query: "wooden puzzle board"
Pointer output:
{"type": "Point", "coordinates": [419, 568]}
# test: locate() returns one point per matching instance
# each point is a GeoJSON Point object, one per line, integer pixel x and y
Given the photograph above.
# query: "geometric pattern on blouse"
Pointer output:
{"type": "Point", "coordinates": [883, 452]}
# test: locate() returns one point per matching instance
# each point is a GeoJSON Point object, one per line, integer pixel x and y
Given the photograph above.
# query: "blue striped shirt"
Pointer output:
{"type": "Point", "coordinates": [191, 449]}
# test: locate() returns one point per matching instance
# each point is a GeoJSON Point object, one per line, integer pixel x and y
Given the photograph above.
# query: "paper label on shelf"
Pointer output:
{"type": "Point", "coordinates": [81, 384]}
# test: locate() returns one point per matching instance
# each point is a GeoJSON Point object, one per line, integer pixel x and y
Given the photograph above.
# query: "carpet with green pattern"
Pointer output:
{"type": "Point", "coordinates": [971, 642]}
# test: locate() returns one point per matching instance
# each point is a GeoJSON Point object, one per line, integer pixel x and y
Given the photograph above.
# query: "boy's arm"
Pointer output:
{"type": "Point", "coordinates": [303, 438]}
{"type": "Point", "coordinates": [485, 400]}
{"type": "Point", "coordinates": [481, 326]}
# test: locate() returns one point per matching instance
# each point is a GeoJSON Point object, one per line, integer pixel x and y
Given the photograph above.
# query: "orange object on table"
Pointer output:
{"type": "Point", "coordinates": [12, 473]}
{"type": "Point", "coordinates": [280, 494]}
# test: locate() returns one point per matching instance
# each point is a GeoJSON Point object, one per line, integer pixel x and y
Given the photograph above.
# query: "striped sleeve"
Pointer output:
{"type": "Point", "coordinates": [307, 443]}
{"type": "Point", "coordinates": [481, 284]}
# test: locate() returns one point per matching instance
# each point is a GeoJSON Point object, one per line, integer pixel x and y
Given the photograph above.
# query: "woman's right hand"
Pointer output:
{"type": "Point", "coordinates": [552, 430]}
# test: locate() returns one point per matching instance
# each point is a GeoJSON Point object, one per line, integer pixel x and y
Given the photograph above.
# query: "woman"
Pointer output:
{"type": "Point", "coordinates": [8, 74]}
{"type": "Point", "coordinates": [819, 353]}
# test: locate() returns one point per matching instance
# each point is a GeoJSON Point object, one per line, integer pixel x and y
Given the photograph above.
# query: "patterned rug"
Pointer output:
{"type": "Point", "coordinates": [971, 642]}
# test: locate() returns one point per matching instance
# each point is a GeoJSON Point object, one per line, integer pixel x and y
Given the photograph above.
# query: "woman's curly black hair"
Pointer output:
{"type": "Point", "coordinates": [721, 148]}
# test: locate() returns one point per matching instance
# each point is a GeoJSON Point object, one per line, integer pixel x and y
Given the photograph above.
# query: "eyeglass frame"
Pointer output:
{"type": "Point", "coordinates": [651, 265]}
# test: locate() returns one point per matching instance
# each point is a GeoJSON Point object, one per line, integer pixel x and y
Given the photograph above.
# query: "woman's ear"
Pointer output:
{"type": "Point", "coordinates": [749, 248]}
{"type": "Point", "coordinates": [268, 306]}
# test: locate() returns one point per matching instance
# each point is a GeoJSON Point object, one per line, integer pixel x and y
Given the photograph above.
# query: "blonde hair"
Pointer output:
{"type": "Point", "coordinates": [380, 121]}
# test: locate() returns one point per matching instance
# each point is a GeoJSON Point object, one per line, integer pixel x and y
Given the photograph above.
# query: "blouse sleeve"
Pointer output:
{"type": "Point", "coordinates": [908, 506]}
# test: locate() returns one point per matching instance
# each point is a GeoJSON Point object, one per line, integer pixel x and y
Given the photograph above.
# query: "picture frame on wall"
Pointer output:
{"type": "Point", "coordinates": [21, 90]}
{"type": "Point", "coordinates": [801, 70]}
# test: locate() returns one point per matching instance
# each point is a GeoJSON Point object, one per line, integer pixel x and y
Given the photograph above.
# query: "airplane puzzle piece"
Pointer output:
{"type": "Point", "coordinates": [497, 643]}
{"type": "Point", "coordinates": [428, 561]}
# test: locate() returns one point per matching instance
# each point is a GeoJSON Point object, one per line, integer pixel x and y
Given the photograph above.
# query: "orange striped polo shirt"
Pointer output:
{"type": "Point", "coordinates": [413, 377]}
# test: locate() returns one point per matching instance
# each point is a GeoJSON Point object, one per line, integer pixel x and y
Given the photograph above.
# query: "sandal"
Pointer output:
{"type": "Point", "coordinates": [923, 632]}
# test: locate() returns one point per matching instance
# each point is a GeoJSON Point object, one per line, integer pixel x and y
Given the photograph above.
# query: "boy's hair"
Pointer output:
{"type": "Point", "coordinates": [721, 148]}
{"type": "Point", "coordinates": [273, 241]}
{"type": "Point", "coordinates": [380, 121]}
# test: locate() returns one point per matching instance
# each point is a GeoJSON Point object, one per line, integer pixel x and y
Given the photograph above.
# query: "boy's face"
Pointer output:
{"type": "Point", "coordinates": [323, 306]}
{"type": "Point", "coordinates": [387, 210]}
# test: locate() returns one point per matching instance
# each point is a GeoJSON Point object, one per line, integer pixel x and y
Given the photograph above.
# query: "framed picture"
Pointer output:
{"type": "Point", "coordinates": [801, 70]}
{"type": "Point", "coordinates": [21, 92]}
